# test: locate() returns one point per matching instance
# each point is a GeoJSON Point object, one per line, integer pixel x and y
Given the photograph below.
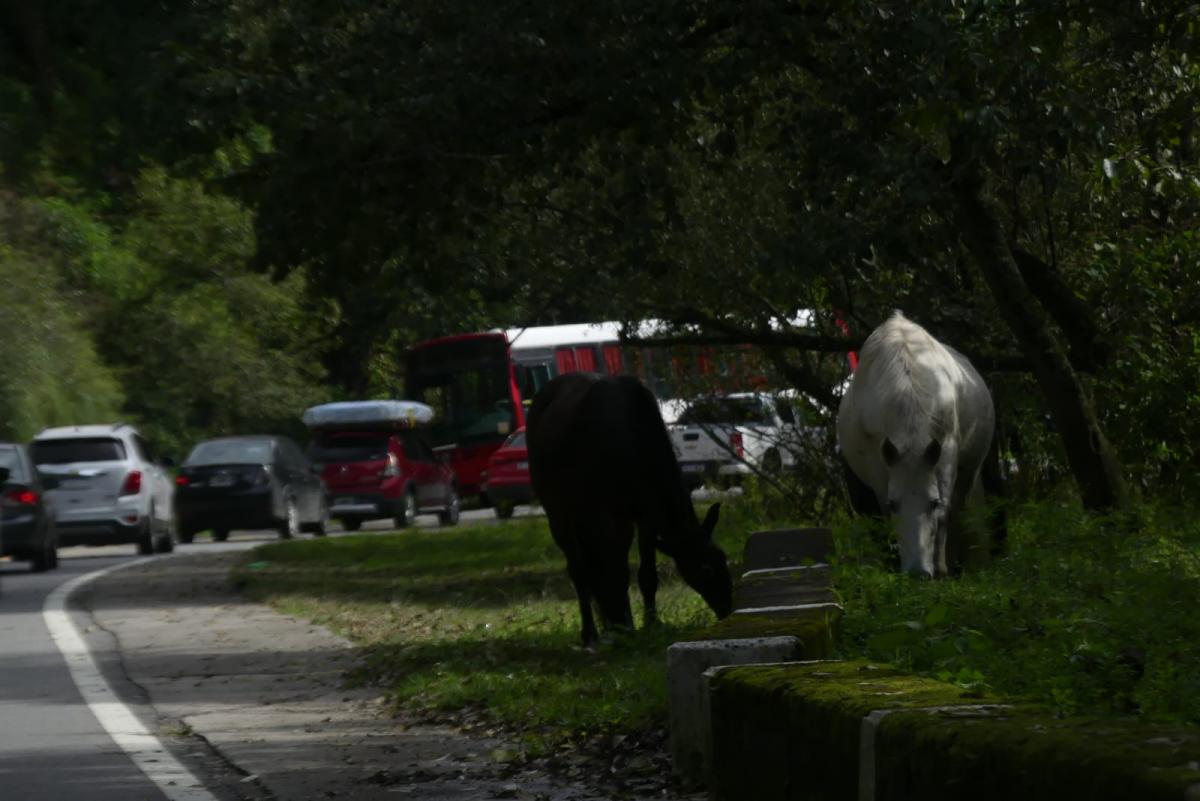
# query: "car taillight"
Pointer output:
{"type": "Point", "coordinates": [133, 483]}
{"type": "Point", "coordinates": [21, 497]}
{"type": "Point", "coordinates": [735, 444]}
{"type": "Point", "coordinates": [393, 467]}
{"type": "Point", "coordinates": [182, 481]}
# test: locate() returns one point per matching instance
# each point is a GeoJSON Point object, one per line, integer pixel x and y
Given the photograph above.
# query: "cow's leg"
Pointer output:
{"type": "Point", "coordinates": [647, 574]}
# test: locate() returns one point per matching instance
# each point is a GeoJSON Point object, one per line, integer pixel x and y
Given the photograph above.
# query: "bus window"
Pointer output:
{"type": "Point", "coordinates": [613, 362]}
{"type": "Point", "coordinates": [585, 359]}
{"type": "Point", "coordinates": [564, 359]}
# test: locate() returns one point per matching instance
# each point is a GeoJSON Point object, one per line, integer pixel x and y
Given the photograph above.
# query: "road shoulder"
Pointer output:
{"type": "Point", "coordinates": [260, 698]}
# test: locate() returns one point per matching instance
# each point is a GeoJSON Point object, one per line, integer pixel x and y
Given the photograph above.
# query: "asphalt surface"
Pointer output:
{"type": "Point", "coordinates": [253, 703]}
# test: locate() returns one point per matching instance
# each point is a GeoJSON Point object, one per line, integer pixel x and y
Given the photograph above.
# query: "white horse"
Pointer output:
{"type": "Point", "coordinates": [915, 427]}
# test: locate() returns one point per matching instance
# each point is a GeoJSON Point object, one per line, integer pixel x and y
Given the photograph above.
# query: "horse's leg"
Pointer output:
{"type": "Point", "coordinates": [996, 491]}
{"type": "Point", "coordinates": [578, 573]}
{"type": "Point", "coordinates": [564, 535]}
{"type": "Point", "coordinates": [647, 574]}
{"type": "Point", "coordinates": [863, 499]}
{"type": "Point", "coordinates": [956, 539]}
{"type": "Point", "coordinates": [612, 560]}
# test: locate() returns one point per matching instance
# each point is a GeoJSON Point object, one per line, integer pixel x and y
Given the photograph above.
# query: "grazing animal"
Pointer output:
{"type": "Point", "coordinates": [601, 462]}
{"type": "Point", "coordinates": [915, 427]}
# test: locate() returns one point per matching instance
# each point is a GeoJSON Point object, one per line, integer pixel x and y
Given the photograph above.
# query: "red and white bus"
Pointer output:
{"type": "Point", "coordinates": [480, 384]}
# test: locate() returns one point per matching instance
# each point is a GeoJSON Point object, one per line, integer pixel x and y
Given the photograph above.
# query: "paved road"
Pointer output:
{"type": "Point", "coordinates": [51, 745]}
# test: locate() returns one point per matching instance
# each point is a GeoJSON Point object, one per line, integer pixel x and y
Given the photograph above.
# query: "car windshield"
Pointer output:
{"type": "Point", "coordinates": [230, 451]}
{"type": "Point", "coordinates": [517, 440]}
{"type": "Point", "coordinates": [12, 463]}
{"type": "Point", "coordinates": [84, 449]}
{"type": "Point", "coordinates": [738, 411]}
{"type": "Point", "coordinates": [349, 448]}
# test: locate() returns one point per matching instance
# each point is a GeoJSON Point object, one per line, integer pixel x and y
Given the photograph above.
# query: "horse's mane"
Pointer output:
{"type": "Point", "coordinates": [909, 374]}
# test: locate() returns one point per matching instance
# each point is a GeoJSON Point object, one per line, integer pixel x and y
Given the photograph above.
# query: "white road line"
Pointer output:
{"type": "Point", "coordinates": [145, 749]}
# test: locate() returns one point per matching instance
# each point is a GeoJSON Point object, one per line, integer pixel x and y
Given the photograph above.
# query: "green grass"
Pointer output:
{"type": "Point", "coordinates": [1086, 615]}
{"type": "Point", "coordinates": [484, 620]}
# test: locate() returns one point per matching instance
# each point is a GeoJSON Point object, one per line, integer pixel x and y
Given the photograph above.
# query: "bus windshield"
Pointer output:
{"type": "Point", "coordinates": [467, 383]}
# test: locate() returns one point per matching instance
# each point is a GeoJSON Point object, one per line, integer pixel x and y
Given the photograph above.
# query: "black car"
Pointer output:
{"type": "Point", "coordinates": [252, 482]}
{"type": "Point", "coordinates": [27, 530]}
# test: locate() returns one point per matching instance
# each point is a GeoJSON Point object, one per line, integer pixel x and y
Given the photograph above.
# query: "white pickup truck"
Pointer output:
{"type": "Point", "coordinates": [726, 437]}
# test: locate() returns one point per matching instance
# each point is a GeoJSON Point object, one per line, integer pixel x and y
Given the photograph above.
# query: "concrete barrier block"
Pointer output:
{"type": "Point", "coordinates": [690, 732]}
{"type": "Point", "coordinates": [787, 546]}
{"type": "Point", "coordinates": [846, 730]}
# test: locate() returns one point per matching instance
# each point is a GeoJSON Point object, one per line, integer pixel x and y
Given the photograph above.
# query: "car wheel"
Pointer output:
{"type": "Point", "coordinates": [505, 510]}
{"type": "Point", "coordinates": [408, 513]}
{"type": "Point", "coordinates": [220, 534]}
{"type": "Point", "coordinates": [320, 527]}
{"type": "Point", "coordinates": [145, 542]}
{"type": "Point", "coordinates": [289, 526]}
{"type": "Point", "coordinates": [165, 543]}
{"type": "Point", "coordinates": [450, 515]}
{"type": "Point", "coordinates": [350, 524]}
{"type": "Point", "coordinates": [46, 556]}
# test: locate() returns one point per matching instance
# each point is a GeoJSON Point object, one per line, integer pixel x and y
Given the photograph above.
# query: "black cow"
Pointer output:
{"type": "Point", "coordinates": [601, 462]}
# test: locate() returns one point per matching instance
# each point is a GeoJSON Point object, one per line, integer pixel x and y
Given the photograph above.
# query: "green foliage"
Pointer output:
{"type": "Point", "coordinates": [50, 373]}
{"type": "Point", "coordinates": [1087, 615]}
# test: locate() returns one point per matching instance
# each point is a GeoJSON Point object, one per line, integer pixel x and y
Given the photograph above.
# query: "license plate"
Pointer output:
{"type": "Point", "coordinates": [344, 500]}
{"type": "Point", "coordinates": [522, 465]}
{"type": "Point", "coordinates": [221, 480]}
{"type": "Point", "coordinates": [693, 468]}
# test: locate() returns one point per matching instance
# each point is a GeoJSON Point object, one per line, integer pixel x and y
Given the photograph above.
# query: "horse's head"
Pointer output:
{"type": "Point", "coordinates": [702, 565]}
{"type": "Point", "coordinates": [917, 508]}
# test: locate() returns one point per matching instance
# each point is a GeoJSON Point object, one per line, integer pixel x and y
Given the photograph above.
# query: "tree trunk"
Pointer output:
{"type": "Point", "coordinates": [1093, 461]}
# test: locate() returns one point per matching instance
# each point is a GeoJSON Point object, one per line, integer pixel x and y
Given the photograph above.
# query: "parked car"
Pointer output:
{"type": "Point", "coordinates": [376, 460]}
{"type": "Point", "coordinates": [27, 531]}
{"type": "Point", "coordinates": [506, 482]}
{"type": "Point", "coordinates": [250, 482]}
{"type": "Point", "coordinates": [109, 487]}
{"type": "Point", "coordinates": [727, 437]}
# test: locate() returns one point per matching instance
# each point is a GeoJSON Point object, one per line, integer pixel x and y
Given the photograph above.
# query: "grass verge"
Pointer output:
{"type": "Point", "coordinates": [1085, 615]}
{"type": "Point", "coordinates": [482, 622]}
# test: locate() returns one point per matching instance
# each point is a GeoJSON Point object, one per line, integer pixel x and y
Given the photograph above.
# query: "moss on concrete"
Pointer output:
{"type": "Point", "coordinates": [815, 628]}
{"type": "Point", "coordinates": [793, 732]}
{"type": "Point", "coordinates": [1029, 754]}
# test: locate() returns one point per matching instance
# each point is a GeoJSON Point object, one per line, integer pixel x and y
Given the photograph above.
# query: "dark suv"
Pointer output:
{"type": "Point", "coordinates": [381, 474]}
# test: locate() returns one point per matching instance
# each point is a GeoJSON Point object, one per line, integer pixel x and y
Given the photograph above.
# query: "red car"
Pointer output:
{"type": "Point", "coordinates": [375, 459]}
{"type": "Point", "coordinates": [507, 479]}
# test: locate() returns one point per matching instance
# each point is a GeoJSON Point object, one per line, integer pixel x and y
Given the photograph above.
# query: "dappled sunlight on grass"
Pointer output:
{"type": "Point", "coordinates": [1087, 615]}
{"type": "Point", "coordinates": [482, 619]}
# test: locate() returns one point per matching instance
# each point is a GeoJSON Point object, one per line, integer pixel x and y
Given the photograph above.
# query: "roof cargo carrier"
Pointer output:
{"type": "Point", "coordinates": [376, 414]}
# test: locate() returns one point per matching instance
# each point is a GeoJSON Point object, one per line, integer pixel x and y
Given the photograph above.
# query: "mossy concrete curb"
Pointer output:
{"type": "Point", "coordinates": [845, 730]}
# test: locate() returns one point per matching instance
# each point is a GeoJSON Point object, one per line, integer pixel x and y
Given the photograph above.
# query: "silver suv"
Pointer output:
{"type": "Point", "coordinates": [107, 487]}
